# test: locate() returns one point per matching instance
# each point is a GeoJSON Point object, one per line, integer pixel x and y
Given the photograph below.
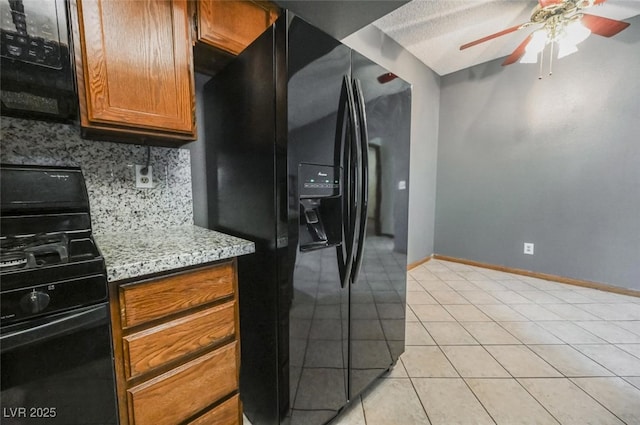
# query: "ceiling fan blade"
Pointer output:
{"type": "Point", "coordinates": [386, 77]}
{"type": "Point", "coordinates": [518, 53]}
{"type": "Point", "coordinates": [603, 26]}
{"type": "Point", "coordinates": [491, 37]}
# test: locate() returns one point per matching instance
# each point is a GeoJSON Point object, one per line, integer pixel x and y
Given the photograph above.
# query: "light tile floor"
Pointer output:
{"type": "Point", "coordinates": [485, 347]}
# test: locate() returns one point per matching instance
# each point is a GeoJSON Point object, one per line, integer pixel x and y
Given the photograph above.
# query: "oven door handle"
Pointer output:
{"type": "Point", "coordinates": [48, 328]}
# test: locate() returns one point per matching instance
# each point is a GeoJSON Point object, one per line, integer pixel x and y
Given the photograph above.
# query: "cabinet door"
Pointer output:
{"type": "Point", "coordinates": [233, 25]}
{"type": "Point", "coordinates": [136, 68]}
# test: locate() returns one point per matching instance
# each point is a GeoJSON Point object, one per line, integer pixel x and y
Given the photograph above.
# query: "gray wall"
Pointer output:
{"type": "Point", "coordinates": [375, 45]}
{"type": "Point", "coordinates": [554, 161]}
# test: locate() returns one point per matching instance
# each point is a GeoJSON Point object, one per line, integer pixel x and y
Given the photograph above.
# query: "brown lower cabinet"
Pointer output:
{"type": "Point", "coordinates": [177, 350]}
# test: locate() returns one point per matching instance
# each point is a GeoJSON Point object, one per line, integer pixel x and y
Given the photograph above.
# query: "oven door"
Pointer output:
{"type": "Point", "coordinates": [59, 370]}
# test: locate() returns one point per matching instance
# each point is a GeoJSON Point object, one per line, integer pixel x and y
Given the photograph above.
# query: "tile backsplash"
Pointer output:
{"type": "Point", "coordinates": [109, 171]}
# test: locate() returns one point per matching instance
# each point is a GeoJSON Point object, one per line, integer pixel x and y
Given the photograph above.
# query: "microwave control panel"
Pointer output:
{"type": "Point", "coordinates": [33, 31]}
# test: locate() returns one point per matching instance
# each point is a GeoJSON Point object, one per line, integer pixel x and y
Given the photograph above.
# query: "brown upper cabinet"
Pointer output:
{"type": "Point", "coordinates": [135, 63]}
{"type": "Point", "coordinates": [134, 68]}
{"type": "Point", "coordinates": [232, 25]}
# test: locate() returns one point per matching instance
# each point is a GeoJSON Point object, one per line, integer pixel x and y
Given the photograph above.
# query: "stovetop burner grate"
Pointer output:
{"type": "Point", "coordinates": [33, 251]}
{"type": "Point", "coordinates": [11, 261]}
{"type": "Point", "coordinates": [19, 243]}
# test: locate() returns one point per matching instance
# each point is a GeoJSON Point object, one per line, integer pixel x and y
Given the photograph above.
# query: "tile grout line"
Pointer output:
{"type": "Point", "coordinates": [564, 343]}
{"type": "Point", "coordinates": [464, 379]}
{"type": "Point", "coordinates": [419, 399]}
{"type": "Point", "coordinates": [467, 384]}
{"type": "Point", "coordinates": [598, 401]}
{"type": "Point", "coordinates": [594, 360]}
{"type": "Point", "coordinates": [629, 382]}
{"type": "Point", "coordinates": [536, 354]}
{"type": "Point", "coordinates": [570, 379]}
{"type": "Point", "coordinates": [479, 401]}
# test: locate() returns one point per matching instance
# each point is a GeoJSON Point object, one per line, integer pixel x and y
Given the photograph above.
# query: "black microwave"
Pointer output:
{"type": "Point", "coordinates": [38, 79]}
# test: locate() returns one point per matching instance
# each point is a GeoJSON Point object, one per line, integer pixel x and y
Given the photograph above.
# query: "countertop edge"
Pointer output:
{"type": "Point", "coordinates": [166, 250]}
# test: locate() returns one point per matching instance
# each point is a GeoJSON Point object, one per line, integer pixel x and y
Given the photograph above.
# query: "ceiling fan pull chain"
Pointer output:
{"type": "Point", "coordinates": [551, 58]}
{"type": "Point", "coordinates": [541, 62]}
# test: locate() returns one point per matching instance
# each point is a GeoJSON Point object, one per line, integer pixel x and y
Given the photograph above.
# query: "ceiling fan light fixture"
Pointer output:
{"type": "Point", "coordinates": [538, 41]}
{"type": "Point", "coordinates": [562, 22]}
{"type": "Point", "coordinates": [575, 33]}
{"type": "Point", "coordinates": [529, 57]}
{"type": "Point", "coordinates": [566, 48]}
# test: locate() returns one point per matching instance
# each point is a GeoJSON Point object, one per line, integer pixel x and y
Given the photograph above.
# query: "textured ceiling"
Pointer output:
{"type": "Point", "coordinates": [433, 30]}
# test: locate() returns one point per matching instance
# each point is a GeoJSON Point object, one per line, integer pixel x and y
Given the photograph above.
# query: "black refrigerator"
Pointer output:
{"type": "Point", "coordinates": [307, 155]}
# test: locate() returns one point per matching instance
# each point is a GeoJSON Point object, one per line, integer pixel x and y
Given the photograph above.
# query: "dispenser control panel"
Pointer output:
{"type": "Point", "coordinates": [319, 181]}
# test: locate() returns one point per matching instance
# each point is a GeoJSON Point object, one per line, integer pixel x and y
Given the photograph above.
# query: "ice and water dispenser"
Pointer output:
{"type": "Point", "coordinates": [320, 204]}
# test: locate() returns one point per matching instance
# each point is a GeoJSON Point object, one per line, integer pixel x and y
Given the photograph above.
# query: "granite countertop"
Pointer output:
{"type": "Point", "coordinates": [135, 254]}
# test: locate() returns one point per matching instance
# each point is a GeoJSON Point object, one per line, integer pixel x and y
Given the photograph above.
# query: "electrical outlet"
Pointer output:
{"type": "Point", "coordinates": [144, 180]}
{"type": "Point", "coordinates": [528, 248]}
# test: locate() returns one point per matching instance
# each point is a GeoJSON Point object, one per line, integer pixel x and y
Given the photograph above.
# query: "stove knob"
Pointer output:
{"type": "Point", "coordinates": [34, 302]}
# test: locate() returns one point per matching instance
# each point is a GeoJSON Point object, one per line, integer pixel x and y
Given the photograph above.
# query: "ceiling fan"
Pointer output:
{"type": "Point", "coordinates": [562, 22]}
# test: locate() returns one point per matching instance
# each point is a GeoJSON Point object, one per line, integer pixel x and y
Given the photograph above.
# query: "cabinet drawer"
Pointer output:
{"type": "Point", "coordinates": [161, 344]}
{"type": "Point", "coordinates": [228, 413]}
{"type": "Point", "coordinates": [182, 392]}
{"type": "Point", "coordinates": [147, 301]}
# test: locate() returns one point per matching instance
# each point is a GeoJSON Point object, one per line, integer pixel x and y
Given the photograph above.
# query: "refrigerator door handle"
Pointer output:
{"type": "Point", "coordinates": [341, 249]}
{"type": "Point", "coordinates": [347, 142]}
{"type": "Point", "coordinates": [353, 180]}
{"type": "Point", "coordinates": [363, 189]}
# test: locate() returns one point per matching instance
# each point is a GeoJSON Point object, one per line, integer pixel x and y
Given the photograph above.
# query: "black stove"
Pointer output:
{"type": "Point", "coordinates": [56, 353]}
{"type": "Point", "coordinates": [49, 261]}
